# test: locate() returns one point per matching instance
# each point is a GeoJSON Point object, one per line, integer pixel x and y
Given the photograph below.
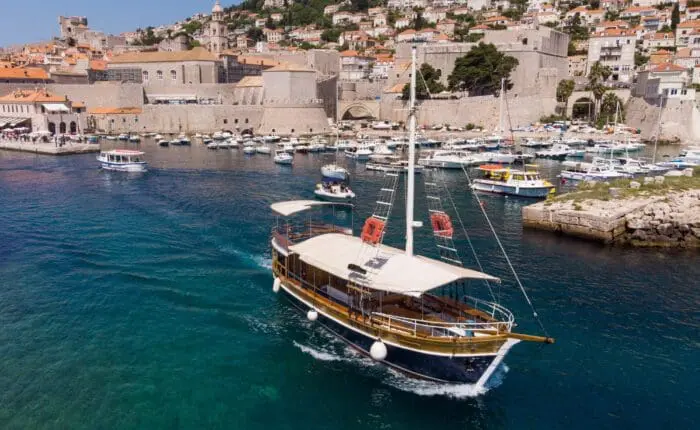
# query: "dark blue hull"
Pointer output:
{"type": "Point", "coordinates": [459, 370]}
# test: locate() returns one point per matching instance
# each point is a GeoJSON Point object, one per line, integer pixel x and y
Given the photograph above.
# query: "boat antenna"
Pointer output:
{"type": "Point", "coordinates": [410, 180]}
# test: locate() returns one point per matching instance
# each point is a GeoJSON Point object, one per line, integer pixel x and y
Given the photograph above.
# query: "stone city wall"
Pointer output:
{"type": "Point", "coordinates": [680, 119]}
{"type": "Point", "coordinates": [482, 111]}
{"type": "Point", "coordinates": [225, 93]}
{"type": "Point", "coordinates": [287, 119]}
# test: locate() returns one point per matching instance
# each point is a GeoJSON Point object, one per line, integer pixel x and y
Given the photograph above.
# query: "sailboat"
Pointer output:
{"type": "Point", "coordinates": [403, 310]}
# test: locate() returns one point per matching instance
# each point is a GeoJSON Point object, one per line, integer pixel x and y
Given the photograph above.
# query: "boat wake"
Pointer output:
{"type": "Point", "coordinates": [396, 379]}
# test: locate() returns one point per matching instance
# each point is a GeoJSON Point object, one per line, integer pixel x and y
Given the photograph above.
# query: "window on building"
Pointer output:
{"type": "Point", "coordinates": [235, 121]}
{"type": "Point", "coordinates": [225, 121]}
{"type": "Point", "coordinates": [674, 91]}
{"type": "Point", "coordinates": [246, 120]}
{"type": "Point", "coordinates": [173, 75]}
{"type": "Point", "coordinates": [684, 92]}
{"type": "Point", "coordinates": [159, 74]}
{"type": "Point", "coordinates": [145, 76]}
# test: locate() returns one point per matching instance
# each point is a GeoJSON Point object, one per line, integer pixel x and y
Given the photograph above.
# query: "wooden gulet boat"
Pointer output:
{"type": "Point", "coordinates": [386, 302]}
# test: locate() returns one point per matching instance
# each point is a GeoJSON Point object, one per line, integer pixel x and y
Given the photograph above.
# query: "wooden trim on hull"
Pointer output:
{"type": "Point", "coordinates": [395, 335]}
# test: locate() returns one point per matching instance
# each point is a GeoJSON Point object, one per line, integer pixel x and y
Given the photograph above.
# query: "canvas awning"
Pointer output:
{"type": "Point", "coordinates": [387, 269]}
{"type": "Point", "coordinates": [11, 121]}
{"type": "Point", "coordinates": [55, 107]}
{"type": "Point", "coordinates": [295, 206]}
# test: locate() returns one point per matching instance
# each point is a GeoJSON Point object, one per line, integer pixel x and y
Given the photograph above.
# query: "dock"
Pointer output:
{"type": "Point", "coordinates": [50, 148]}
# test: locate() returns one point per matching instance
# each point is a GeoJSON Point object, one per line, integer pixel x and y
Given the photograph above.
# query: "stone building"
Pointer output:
{"type": "Point", "coordinates": [41, 110]}
{"type": "Point", "coordinates": [71, 26]}
{"type": "Point", "coordinates": [218, 39]}
{"type": "Point", "coordinates": [197, 66]}
{"type": "Point", "coordinates": [613, 48]}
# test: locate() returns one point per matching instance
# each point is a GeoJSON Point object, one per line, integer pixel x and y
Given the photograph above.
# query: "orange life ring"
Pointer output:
{"type": "Point", "coordinates": [372, 231]}
{"type": "Point", "coordinates": [442, 224]}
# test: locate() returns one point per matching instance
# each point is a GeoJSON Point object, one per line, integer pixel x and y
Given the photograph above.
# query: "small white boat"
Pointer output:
{"type": "Point", "coordinates": [599, 170]}
{"type": "Point", "coordinates": [134, 138]}
{"type": "Point", "coordinates": [110, 137]}
{"type": "Point", "coordinates": [393, 167]}
{"type": "Point", "coordinates": [334, 192]}
{"type": "Point", "coordinates": [183, 139]}
{"type": "Point", "coordinates": [333, 171]}
{"type": "Point", "coordinates": [213, 145]}
{"type": "Point", "coordinates": [262, 149]}
{"type": "Point", "coordinates": [282, 157]}
{"type": "Point", "coordinates": [499, 157]}
{"type": "Point", "coordinates": [123, 136]}
{"type": "Point", "coordinates": [218, 136]}
{"type": "Point", "coordinates": [558, 151]}
{"type": "Point", "coordinates": [249, 150]}
{"type": "Point", "coordinates": [361, 153]}
{"type": "Point", "coordinates": [163, 142]}
{"type": "Point", "coordinates": [158, 137]}
{"type": "Point", "coordinates": [124, 160]}
{"type": "Point", "coordinates": [271, 138]}
{"type": "Point", "coordinates": [500, 180]}
{"type": "Point", "coordinates": [451, 160]}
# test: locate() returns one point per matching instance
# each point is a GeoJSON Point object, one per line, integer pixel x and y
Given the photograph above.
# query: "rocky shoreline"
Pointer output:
{"type": "Point", "coordinates": [668, 220]}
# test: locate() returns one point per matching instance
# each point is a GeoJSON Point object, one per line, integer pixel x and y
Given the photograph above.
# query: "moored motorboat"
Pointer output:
{"type": "Point", "coordinates": [333, 171]}
{"type": "Point", "coordinates": [502, 180]}
{"type": "Point", "coordinates": [331, 191]}
{"type": "Point", "coordinates": [163, 142]}
{"type": "Point", "coordinates": [283, 157]}
{"type": "Point", "coordinates": [263, 149]}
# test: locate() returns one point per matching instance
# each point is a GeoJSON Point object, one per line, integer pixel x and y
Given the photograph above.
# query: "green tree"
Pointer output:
{"type": "Point", "coordinates": [419, 23]}
{"type": "Point", "coordinates": [255, 34]}
{"type": "Point", "coordinates": [480, 71]}
{"type": "Point", "coordinates": [596, 81]}
{"type": "Point", "coordinates": [675, 17]}
{"type": "Point", "coordinates": [331, 35]}
{"type": "Point", "coordinates": [575, 28]}
{"type": "Point", "coordinates": [564, 90]}
{"type": "Point", "coordinates": [640, 59]}
{"type": "Point", "coordinates": [427, 83]}
{"type": "Point", "coordinates": [609, 108]}
{"type": "Point", "coordinates": [666, 29]}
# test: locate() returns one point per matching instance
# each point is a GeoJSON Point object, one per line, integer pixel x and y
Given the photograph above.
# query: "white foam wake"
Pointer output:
{"type": "Point", "coordinates": [318, 354]}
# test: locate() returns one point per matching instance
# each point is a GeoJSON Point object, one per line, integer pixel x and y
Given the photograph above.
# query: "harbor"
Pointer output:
{"type": "Point", "coordinates": [182, 252]}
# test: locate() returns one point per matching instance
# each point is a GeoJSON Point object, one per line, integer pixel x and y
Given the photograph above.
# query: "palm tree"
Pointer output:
{"type": "Point", "coordinates": [596, 82]}
{"type": "Point", "coordinates": [564, 90]}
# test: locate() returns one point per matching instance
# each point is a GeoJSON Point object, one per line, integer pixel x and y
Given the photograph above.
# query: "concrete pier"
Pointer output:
{"type": "Point", "coordinates": [669, 220]}
{"type": "Point", "coordinates": [49, 148]}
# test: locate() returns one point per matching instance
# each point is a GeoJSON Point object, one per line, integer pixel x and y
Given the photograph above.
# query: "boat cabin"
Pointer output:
{"type": "Point", "coordinates": [122, 156]}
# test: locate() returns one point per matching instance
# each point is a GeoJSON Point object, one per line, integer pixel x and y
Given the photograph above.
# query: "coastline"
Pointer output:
{"type": "Point", "coordinates": [49, 148]}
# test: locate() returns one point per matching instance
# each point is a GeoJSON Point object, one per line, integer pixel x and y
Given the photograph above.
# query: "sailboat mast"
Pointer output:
{"type": "Point", "coordinates": [410, 177]}
{"type": "Point", "coordinates": [500, 107]}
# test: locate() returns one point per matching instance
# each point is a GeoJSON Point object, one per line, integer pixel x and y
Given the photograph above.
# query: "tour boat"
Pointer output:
{"type": "Point", "coordinates": [282, 157]}
{"type": "Point", "coordinates": [407, 311]}
{"type": "Point", "coordinates": [333, 171]}
{"type": "Point", "coordinates": [123, 160]}
{"type": "Point", "coordinates": [332, 191]}
{"type": "Point", "coordinates": [500, 180]}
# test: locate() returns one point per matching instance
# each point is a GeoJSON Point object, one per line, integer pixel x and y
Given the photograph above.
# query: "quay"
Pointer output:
{"type": "Point", "coordinates": [661, 213]}
{"type": "Point", "coordinates": [49, 148]}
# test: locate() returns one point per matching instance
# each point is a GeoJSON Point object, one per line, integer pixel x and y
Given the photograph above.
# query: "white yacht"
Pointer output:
{"type": "Point", "coordinates": [333, 171]}
{"type": "Point", "coordinates": [558, 151]}
{"type": "Point", "coordinates": [500, 180]}
{"type": "Point", "coordinates": [124, 160]}
{"type": "Point", "coordinates": [263, 149]}
{"type": "Point", "coordinates": [596, 171]}
{"type": "Point", "coordinates": [361, 153]}
{"type": "Point", "coordinates": [283, 157]}
{"type": "Point", "coordinates": [451, 159]}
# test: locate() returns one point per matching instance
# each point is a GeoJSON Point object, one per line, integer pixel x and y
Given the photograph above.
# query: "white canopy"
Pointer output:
{"type": "Point", "coordinates": [55, 107]}
{"type": "Point", "coordinates": [388, 269]}
{"type": "Point", "coordinates": [294, 206]}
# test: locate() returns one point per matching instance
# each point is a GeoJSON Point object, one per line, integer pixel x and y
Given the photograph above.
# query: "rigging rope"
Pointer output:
{"type": "Point", "coordinates": [505, 254]}
{"type": "Point", "coordinates": [495, 298]}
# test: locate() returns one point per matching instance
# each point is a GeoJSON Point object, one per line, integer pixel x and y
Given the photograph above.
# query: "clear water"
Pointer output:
{"type": "Point", "coordinates": [145, 301]}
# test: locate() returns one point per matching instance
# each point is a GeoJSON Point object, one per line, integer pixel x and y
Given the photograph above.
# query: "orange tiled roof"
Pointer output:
{"type": "Point", "coordinates": [349, 53]}
{"type": "Point", "coordinates": [114, 111]}
{"type": "Point", "coordinates": [668, 67]}
{"type": "Point", "coordinates": [23, 73]}
{"type": "Point", "coordinates": [196, 54]}
{"type": "Point", "coordinates": [98, 65]}
{"type": "Point", "coordinates": [690, 24]}
{"type": "Point", "coordinates": [38, 96]}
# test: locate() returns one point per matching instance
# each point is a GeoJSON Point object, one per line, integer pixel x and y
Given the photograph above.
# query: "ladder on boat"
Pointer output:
{"type": "Point", "coordinates": [443, 239]}
{"type": "Point", "coordinates": [387, 195]}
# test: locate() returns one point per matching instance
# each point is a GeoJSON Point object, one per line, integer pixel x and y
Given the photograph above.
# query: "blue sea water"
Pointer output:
{"type": "Point", "coordinates": [145, 301]}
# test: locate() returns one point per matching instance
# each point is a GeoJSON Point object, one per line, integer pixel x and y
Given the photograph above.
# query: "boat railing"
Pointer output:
{"type": "Point", "coordinates": [420, 327]}
{"type": "Point", "coordinates": [290, 233]}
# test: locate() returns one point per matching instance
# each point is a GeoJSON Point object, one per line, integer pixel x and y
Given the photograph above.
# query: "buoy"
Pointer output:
{"type": "Point", "coordinates": [312, 315]}
{"type": "Point", "coordinates": [276, 285]}
{"type": "Point", "coordinates": [378, 351]}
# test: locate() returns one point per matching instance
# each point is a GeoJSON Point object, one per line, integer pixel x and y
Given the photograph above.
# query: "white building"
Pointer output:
{"type": "Point", "coordinates": [613, 48]}
{"type": "Point", "coordinates": [666, 80]}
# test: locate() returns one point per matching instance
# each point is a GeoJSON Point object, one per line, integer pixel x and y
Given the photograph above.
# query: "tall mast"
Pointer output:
{"type": "Point", "coordinates": [410, 179]}
{"type": "Point", "coordinates": [500, 107]}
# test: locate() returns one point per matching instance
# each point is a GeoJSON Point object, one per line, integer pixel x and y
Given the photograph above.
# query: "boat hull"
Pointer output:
{"type": "Point", "coordinates": [334, 197]}
{"type": "Point", "coordinates": [493, 187]}
{"type": "Point", "coordinates": [455, 370]}
{"type": "Point", "coordinates": [120, 167]}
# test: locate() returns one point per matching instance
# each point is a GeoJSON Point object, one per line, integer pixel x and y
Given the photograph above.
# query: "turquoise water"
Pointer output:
{"type": "Point", "coordinates": [145, 301]}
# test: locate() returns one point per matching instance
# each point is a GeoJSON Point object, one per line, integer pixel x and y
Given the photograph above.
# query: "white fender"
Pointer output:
{"type": "Point", "coordinates": [312, 315]}
{"type": "Point", "coordinates": [378, 351]}
{"type": "Point", "coordinates": [276, 285]}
